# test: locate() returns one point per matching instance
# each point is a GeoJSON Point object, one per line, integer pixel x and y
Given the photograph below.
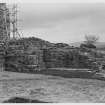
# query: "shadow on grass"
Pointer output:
{"type": "Point", "coordinates": [67, 73]}
{"type": "Point", "coordinates": [73, 74]}
{"type": "Point", "coordinates": [22, 100]}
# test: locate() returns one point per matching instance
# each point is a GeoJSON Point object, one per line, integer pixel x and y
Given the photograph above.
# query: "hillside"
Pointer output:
{"type": "Point", "coordinates": [99, 45]}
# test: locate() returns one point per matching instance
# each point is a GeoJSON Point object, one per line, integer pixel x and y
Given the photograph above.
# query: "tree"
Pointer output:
{"type": "Point", "coordinates": [91, 39]}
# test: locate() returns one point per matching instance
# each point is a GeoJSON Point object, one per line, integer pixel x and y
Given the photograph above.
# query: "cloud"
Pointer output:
{"type": "Point", "coordinates": [62, 22]}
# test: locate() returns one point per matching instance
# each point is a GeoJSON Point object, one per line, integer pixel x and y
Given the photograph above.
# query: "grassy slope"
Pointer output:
{"type": "Point", "coordinates": [99, 45]}
{"type": "Point", "coordinates": [51, 88]}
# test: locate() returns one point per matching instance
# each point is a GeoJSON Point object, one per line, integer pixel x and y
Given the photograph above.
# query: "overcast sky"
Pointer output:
{"type": "Point", "coordinates": [62, 22]}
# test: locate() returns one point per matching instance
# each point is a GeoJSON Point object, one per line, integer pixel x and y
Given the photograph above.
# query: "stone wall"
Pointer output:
{"type": "Point", "coordinates": [67, 58]}
{"type": "Point", "coordinates": [21, 60]}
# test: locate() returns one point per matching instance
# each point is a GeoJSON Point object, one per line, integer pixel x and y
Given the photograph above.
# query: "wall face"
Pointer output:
{"type": "Point", "coordinates": [57, 58]}
{"type": "Point", "coordinates": [26, 61]}
{"type": "Point", "coordinates": [4, 22]}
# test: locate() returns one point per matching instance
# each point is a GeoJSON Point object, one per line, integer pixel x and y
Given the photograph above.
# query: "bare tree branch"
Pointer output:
{"type": "Point", "coordinates": [91, 39]}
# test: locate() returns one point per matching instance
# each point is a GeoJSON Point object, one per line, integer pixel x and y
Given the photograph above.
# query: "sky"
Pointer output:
{"type": "Point", "coordinates": [62, 22]}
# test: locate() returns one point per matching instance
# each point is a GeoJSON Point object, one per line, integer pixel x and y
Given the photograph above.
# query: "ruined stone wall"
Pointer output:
{"type": "Point", "coordinates": [20, 60]}
{"type": "Point", "coordinates": [67, 58]}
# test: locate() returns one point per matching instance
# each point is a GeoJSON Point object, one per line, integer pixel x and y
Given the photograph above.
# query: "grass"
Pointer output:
{"type": "Point", "coordinates": [47, 88]}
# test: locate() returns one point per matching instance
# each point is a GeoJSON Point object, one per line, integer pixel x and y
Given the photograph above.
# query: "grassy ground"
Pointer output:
{"type": "Point", "coordinates": [50, 88]}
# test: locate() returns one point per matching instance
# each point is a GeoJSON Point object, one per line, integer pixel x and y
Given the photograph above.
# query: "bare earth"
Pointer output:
{"type": "Point", "coordinates": [50, 88]}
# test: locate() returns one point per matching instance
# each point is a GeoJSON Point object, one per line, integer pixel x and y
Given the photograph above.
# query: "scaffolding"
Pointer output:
{"type": "Point", "coordinates": [4, 32]}
{"type": "Point", "coordinates": [8, 27]}
{"type": "Point", "coordinates": [13, 23]}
